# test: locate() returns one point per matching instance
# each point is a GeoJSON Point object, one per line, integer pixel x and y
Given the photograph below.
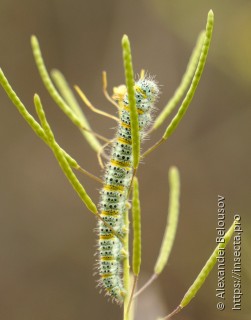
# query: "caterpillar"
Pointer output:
{"type": "Point", "coordinates": [117, 180]}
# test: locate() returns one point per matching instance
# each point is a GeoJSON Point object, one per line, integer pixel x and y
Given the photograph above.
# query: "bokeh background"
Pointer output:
{"type": "Point", "coordinates": [47, 242]}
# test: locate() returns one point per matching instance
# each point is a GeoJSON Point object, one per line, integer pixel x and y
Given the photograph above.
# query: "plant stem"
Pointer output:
{"type": "Point", "coordinates": [126, 266]}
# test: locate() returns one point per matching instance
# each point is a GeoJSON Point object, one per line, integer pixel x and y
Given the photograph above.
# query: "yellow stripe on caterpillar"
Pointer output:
{"type": "Point", "coordinates": [138, 89]}
{"type": "Point", "coordinates": [106, 236]}
{"type": "Point", "coordinates": [125, 125]}
{"type": "Point", "coordinates": [128, 109]}
{"type": "Point", "coordinates": [122, 140]}
{"type": "Point", "coordinates": [109, 187]}
{"type": "Point", "coordinates": [106, 275]}
{"type": "Point", "coordinates": [107, 258]}
{"type": "Point", "coordinates": [109, 213]}
{"type": "Point", "coordinates": [120, 164]}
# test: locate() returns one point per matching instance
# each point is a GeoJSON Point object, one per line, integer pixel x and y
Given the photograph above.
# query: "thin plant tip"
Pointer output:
{"type": "Point", "coordinates": [211, 13]}
{"type": "Point", "coordinates": [36, 97]}
{"type": "Point", "coordinates": [125, 38]}
{"type": "Point", "coordinates": [33, 39]}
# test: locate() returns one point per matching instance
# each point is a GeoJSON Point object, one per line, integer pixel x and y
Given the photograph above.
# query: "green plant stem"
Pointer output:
{"type": "Point", "coordinates": [196, 79]}
{"type": "Point", "coordinates": [126, 267]}
{"type": "Point", "coordinates": [129, 76]}
{"type": "Point", "coordinates": [172, 221]}
{"type": "Point", "coordinates": [69, 97]}
{"type": "Point", "coordinates": [136, 221]}
{"type": "Point", "coordinates": [29, 118]}
{"type": "Point", "coordinates": [49, 85]}
{"type": "Point", "coordinates": [186, 80]}
{"type": "Point", "coordinates": [192, 291]}
{"type": "Point", "coordinates": [189, 96]}
{"type": "Point", "coordinates": [170, 230]}
{"type": "Point", "coordinates": [62, 160]}
{"type": "Point", "coordinates": [75, 118]}
{"type": "Point", "coordinates": [207, 268]}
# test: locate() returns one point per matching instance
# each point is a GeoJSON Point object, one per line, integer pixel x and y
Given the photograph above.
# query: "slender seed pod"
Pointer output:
{"type": "Point", "coordinates": [59, 154]}
{"type": "Point", "coordinates": [80, 121]}
{"type": "Point", "coordinates": [136, 220]}
{"type": "Point", "coordinates": [172, 221]}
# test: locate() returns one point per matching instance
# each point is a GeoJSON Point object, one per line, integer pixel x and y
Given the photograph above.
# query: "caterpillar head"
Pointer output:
{"type": "Point", "coordinates": [147, 88]}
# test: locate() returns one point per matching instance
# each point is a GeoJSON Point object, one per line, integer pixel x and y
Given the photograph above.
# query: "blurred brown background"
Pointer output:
{"type": "Point", "coordinates": [47, 242]}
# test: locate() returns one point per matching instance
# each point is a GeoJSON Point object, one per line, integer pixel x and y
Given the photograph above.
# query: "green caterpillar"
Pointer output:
{"type": "Point", "coordinates": [117, 180]}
